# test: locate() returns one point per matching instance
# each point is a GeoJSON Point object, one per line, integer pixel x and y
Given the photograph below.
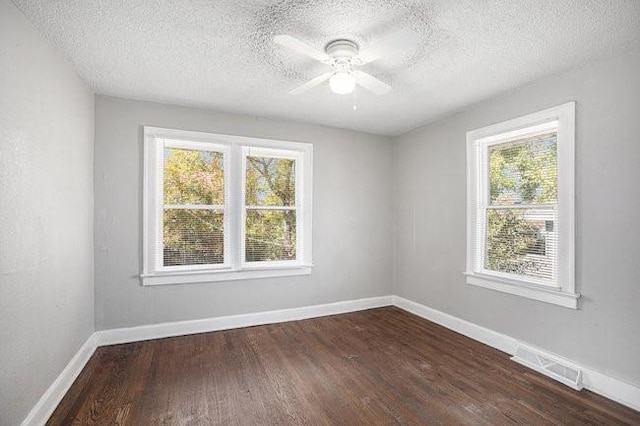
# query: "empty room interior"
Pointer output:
{"type": "Point", "coordinates": [319, 212]}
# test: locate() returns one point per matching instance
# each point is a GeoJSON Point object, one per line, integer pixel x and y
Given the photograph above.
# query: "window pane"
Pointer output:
{"type": "Point", "coordinates": [270, 182]}
{"type": "Point", "coordinates": [270, 235]}
{"type": "Point", "coordinates": [193, 237]}
{"type": "Point", "coordinates": [193, 177]}
{"type": "Point", "coordinates": [521, 241]}
{"type": "Point", "coordinates": [524, 171]}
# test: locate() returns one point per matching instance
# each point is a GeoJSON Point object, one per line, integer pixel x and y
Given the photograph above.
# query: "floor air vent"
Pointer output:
{"type": "Point", "coordinates": [549, 365]}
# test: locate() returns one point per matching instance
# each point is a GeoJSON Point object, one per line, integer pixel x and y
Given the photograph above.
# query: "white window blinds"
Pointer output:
{"type": "Point", "coordinates": [219, 205]}
{"type": "Point", "coordinates": [273, 200]}
{"type": "Point", "coordinates": [193, 186]}
{"type": "Point", "coordinates": [520, 206]}
{"type": "Point", "coordinates": [270, 208]}
{"type": "Point", "coordinates": [520, 209]}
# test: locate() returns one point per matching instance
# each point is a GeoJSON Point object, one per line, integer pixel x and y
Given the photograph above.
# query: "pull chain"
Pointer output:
{"type": "Point", "coordinates": [355, 99]}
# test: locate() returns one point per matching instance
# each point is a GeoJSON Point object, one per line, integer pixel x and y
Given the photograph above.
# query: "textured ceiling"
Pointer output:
{"type": "Point", "coordinates": [220, 54]}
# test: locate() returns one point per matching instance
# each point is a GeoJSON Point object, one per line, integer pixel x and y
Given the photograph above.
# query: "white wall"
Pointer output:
{"type": "Point", "coordinates": [46, 215]}
{"type": "Point", "coordinates": [430, 197]}
{"type": "Point", "coordinates": [352, 219]}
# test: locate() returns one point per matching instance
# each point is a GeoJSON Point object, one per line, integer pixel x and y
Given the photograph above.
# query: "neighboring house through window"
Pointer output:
{"type": "Point", "coordinates": [520, 186]}
{"type": "Point", "coordinates": [221, 207]}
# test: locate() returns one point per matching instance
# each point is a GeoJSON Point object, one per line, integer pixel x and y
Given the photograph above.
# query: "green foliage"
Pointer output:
{"type": "Point", "coordinates": [270, 182]}
{"type": "Point", "coordinates": [196, 236]}
{"type": "Point", "coordinates": [270, 234]}
{"type": "Point", "coordinates": [520, 173]}
{"type": "Point", "coordinates": [509, 239]}
{"type": "Point", "coordinates": [193, 177]}
{"type": "Point", "coordinates": [193, 237]}
{"type": "Point", "coordinates": [524, 172]}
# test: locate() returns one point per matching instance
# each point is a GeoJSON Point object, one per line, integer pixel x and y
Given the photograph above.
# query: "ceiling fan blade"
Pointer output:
{"type": "Point", "coordinates": [371, 83]}
{"type": "Point", "coordinates": [301, 47]}
{"type": "Point", "coordinates": [311, 84]}
{"type": "Point", "coordinates": [398, 41]}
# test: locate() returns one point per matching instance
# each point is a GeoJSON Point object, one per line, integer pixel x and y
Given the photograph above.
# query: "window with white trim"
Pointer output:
{"type": "Point", "coordinates": [520, 209]}
{"type": "Point", "coordinates": [220, 207]}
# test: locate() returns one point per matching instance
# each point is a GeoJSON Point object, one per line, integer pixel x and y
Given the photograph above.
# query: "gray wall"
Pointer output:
{"type": "Point", "coordinates": [352, 219]}
{"type": "Point", "coordinates": [47, 248]}
{"type": "Point", "coordinates": [46, 215]}
{"type": "Point", "coordinates": [430, 200]}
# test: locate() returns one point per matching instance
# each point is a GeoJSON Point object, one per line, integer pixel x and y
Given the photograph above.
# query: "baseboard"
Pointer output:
{"type": "Point", "coordinates": [181, 328]}
{"type": "Point", "coordinates": [43, 409]}
{"type": "Point", "coordinates": [488, 337]}
{"type": "Point", "coordinates": [52, 397]}
{"type": "Point", "coordinates": [607, 386]}
{"type": "Point", "coordinates": [593, 380]}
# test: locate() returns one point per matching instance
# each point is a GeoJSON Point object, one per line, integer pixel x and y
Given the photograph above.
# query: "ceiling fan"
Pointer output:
{"type": "Point", "coordinates": [344, 57]}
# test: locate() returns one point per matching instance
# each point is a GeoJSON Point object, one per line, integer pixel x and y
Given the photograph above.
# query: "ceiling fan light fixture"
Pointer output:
{"type": "Point", "coordinates": [342, 82]}
{"type": "Point", "coordinates": [344, 57]}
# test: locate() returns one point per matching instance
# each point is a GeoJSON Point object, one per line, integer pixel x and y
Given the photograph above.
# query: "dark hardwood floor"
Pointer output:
{"type": "Point", "coordinates": [381, 366]}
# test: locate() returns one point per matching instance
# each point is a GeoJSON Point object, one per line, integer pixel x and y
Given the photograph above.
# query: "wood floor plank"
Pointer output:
{"type": "Point", "coordinates": [381, 366]}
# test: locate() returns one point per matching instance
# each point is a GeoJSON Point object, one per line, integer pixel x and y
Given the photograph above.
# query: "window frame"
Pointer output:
{"type": "Point", "coordinates": [234, 266]}
{"type": "Point", "coordinates": [562, 291]}
{"type": "Point", "coordinates": [159, 207]}
{"type": "Point", "coordinates": [298, 157]}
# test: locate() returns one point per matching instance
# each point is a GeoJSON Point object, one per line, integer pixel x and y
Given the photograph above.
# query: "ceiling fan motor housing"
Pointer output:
{"type": "Point", "coordinates": [342, 55]}
{"type": "Point", "coordinates": [341, 49]}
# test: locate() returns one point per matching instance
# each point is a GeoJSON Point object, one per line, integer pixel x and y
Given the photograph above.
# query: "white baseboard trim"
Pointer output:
{"type": "Point", "coordinates": [181, 328]}
{"type": "Point", "coordinates": [52, 397]}
{"type": "Point", "coordinates": [607, 386]}
{"type": "Point", "coordinates": [593, 380]}
{"type": "Point", "coordinates": [484, 335]}
{"type": "Point", "coordinates": [45, 406]}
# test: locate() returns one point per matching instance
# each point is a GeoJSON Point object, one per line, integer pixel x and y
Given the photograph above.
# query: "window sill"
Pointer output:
{"type": "Point", "coordinates": [548, 295]}
{"type": "Point", "coordinates": [192, 277]}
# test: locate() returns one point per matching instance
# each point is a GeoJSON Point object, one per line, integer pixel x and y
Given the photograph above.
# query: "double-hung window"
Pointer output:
{"type": "Point", "coordinates": [220, 207]}
{"type": "Point", "coordinates": [270, 210]}
{"type": "Point", "coordinates": [520, 231]}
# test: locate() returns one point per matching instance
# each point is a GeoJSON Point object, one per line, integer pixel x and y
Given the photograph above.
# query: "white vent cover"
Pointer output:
{"type": "Point", "coordinates": [549, 365]}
